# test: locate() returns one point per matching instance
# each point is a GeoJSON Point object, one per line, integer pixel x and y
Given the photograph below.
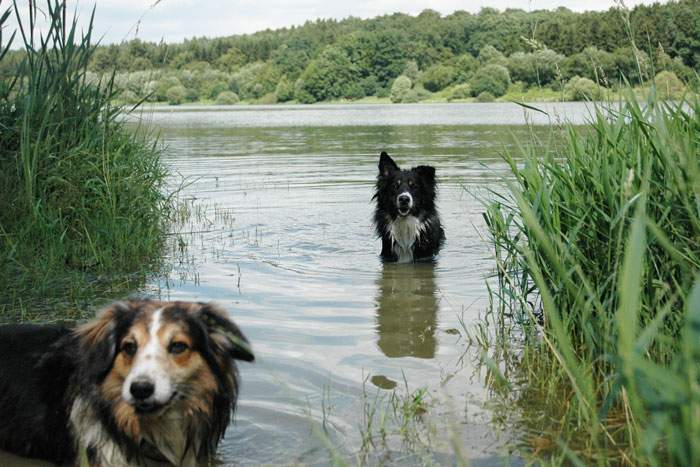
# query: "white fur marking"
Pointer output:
{"type": "Point", "coordinates": [149, 366]}
{"type": "Point", "coordinates": [404, 232]}
{"type": "Point", "coordinates": [91, 433]}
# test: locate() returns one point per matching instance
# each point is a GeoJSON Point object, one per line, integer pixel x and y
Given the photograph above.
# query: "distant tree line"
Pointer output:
{"type": "Point", "coordinates": [408, 58]}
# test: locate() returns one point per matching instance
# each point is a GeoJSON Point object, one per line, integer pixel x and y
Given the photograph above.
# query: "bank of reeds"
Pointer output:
{"type": "Point", "coordinates": [597, 244]}
{"type": "Point", "coordinates": [82, 197]}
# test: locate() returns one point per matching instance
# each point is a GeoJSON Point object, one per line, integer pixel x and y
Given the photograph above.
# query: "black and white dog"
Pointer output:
{"type": "Point", "coordinates": [406, 218]}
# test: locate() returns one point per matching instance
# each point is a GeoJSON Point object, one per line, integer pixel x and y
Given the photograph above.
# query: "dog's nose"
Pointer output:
{"type": "Point", "coordinates": [141, 390]}
{"type": "Point", "coordinates": [404, 198]}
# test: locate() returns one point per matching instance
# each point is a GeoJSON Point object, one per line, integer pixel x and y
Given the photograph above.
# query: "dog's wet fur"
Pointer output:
{"type": "Point", "coordinates": [406, 218]}
{"type": "Point", "coordinates": [145, 383]}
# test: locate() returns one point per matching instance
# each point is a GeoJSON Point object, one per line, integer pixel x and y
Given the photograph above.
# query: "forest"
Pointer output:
{"type": "Point", "coordinates": [555, 54]}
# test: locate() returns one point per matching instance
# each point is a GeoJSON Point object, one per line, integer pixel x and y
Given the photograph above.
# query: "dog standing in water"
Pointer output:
{"type": "Point", "coordinates": [145, 383]}
{"type": "Point", "coordinates": [406, 218]}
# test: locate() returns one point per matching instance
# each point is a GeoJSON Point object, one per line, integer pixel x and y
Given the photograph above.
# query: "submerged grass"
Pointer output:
{"type": "Point", "coordinates": [83, 206]}
{"type": "Point", "coordinates": [597, 245]}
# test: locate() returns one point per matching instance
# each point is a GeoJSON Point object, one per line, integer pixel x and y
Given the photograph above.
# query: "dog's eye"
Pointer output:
{"type": "Point", "coordinates": [397, 183]}
{"type": "Point", "coordinates": [129, 348]}
{"type": "Point", "coordinates": [410, 183]}
{"type": "Point", "coordinates": [177, 347]}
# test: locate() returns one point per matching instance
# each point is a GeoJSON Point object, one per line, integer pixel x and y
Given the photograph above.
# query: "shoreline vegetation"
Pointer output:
{"type": "Point", "coordinates": [514, 94]}
{"type": "Point", "coordinates": [84, 207]}
{"type": "Point", "coordinates": [537, 56]}
{"type": "Point", "coordinates": [594, 332]}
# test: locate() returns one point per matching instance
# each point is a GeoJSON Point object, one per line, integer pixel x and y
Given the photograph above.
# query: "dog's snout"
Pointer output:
{"type": "Point", "coordinates": [142, 389]}
{"type": "Point", "coordinates": [404, 198]}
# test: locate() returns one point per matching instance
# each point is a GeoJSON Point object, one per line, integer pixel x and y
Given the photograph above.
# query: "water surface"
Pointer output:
{"type": "Point", "coordinates": [281, 235]}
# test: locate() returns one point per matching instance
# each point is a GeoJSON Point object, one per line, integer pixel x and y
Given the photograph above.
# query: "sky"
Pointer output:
{"type": "Point", "coordinates": [175, 20]}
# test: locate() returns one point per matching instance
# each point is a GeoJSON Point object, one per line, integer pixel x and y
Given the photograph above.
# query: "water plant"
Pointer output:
{"type": "Point", "coordinates": [597, 247]}
{"type": "Point", "coordinates": [83, 197]}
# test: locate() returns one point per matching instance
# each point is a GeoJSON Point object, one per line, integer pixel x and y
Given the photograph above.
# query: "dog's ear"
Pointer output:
{"type": "Point", "coordinates": [426, 172]}
{"type": "Point", "coordinates": [97, 340]}
{"type": "Point", "coordinates": [386, 164]}
{"type": "Point", "coordinates": [224, 332]}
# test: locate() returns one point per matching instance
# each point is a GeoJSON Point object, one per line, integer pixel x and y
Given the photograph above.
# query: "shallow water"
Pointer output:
{"type": "Point", "coordinates": [281, 235]}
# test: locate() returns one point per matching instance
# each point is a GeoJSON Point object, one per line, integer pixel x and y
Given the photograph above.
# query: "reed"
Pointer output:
{"type": "Point", "coordinates": [83, 197]}
{"type": "Point", "coordinates": [597, 246]}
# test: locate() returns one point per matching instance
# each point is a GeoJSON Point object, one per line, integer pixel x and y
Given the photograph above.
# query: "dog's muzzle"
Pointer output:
{"type": "Point", "coordinates": [142, 392]}
{"type": "Point", "coordinates": [404, 202]}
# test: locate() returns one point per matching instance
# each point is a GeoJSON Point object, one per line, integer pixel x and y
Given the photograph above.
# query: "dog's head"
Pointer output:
{"type": "Point", "coordinates": [143, 358]}
{"type": "Point", "coordinates": [404, 192]}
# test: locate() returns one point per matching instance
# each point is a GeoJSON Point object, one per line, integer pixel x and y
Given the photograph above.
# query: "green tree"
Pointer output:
{"type": "Point", "coordinates": [491, 78]}
{"type": "Point", "coordinates": [491, 55]}
{"type": "Point", "coordinates": [213, 89]}
{"type": "Point", "coordinates": [582, 89]}
{"type": "Point", "coordinates": [629, 62]}
{"type": "Point", "coordinates": [255, 80]}
{"type": "Point", "coordinates": [485, 96]}
{"type": "Point", "coordinates": [327, 77]}
{"type": "Point", "coordinates": [103, 60]}
{"type": "Point", "coordinates": [284, 90]}
{"type": "Point", "coordinates": [163, 85]}
{"type": "Point", "coordinates": [537, 68]}
{"type": "Point", "coordinates": [668, 86]}
{"type": "Point", "coordinates": [182, 58]}
{"type": "Point", "coordinates": [594, 64]}
{"type": "Point", "coordinates": [376, 53]}
{"type": "Point", "coordinates": [378, 50]}
{"type": "Point", "coordinates": [438, 77]}
{"type": "Point", "coordinates": [176, 95]}
{"type": "Point", "coordinates": [465, 65]}
{"type": "Point", "coordinates": [401, 89]}
{"type": "Point", "coordinates": [231, 61]}
{"type": "Point", "coordinates": [302, 94]}
{"type": "Point", "coordinates": [227, 98]}
{"type": "Point", "coordinates": [411, 70]}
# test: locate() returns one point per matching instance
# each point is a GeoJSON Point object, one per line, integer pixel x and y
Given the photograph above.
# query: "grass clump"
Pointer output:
{"type": "Point", "coordinates": [598, 252]}
{"type": "Point", "coordinates": [83, 197]}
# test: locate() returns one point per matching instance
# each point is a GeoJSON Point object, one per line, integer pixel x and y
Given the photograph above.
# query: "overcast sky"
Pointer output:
{"type": "Point", "coordinates": [175, 20]}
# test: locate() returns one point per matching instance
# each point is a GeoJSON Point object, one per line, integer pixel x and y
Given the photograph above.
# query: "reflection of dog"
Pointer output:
{"type": "Point", "coordinates": [406, 218]}
{"type": "Point", "coordinates": [145, 382]}
{"type": "Point", "coordinates": [407, 311]}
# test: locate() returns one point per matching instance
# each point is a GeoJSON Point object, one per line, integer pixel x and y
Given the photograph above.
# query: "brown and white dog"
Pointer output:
{"type": "Point", "coordinates": [146, 382]}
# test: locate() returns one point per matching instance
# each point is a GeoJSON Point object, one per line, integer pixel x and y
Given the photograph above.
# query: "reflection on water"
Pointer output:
{"type": "Point", "coordinates": [407, 308]}
{"type": "Point", "coordinates": [284, 240]}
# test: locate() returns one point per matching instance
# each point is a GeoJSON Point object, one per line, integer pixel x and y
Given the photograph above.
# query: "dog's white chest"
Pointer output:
{"type": "Point", "coordinates": [404, 232]}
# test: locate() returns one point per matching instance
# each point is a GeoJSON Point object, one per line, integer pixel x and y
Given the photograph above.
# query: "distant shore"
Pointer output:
{"type": "Point", "coordinates": [533, 95]}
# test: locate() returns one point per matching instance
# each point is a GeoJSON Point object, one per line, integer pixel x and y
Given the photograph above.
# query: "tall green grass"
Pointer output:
{"type": "Point", "coordinates": [597, 245]}
{"type": "Point", "coordinates": [82, 197]}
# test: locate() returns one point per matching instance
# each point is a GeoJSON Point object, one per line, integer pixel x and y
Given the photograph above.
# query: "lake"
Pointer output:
{"type": "Point", "coordinates": [279, 232]}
